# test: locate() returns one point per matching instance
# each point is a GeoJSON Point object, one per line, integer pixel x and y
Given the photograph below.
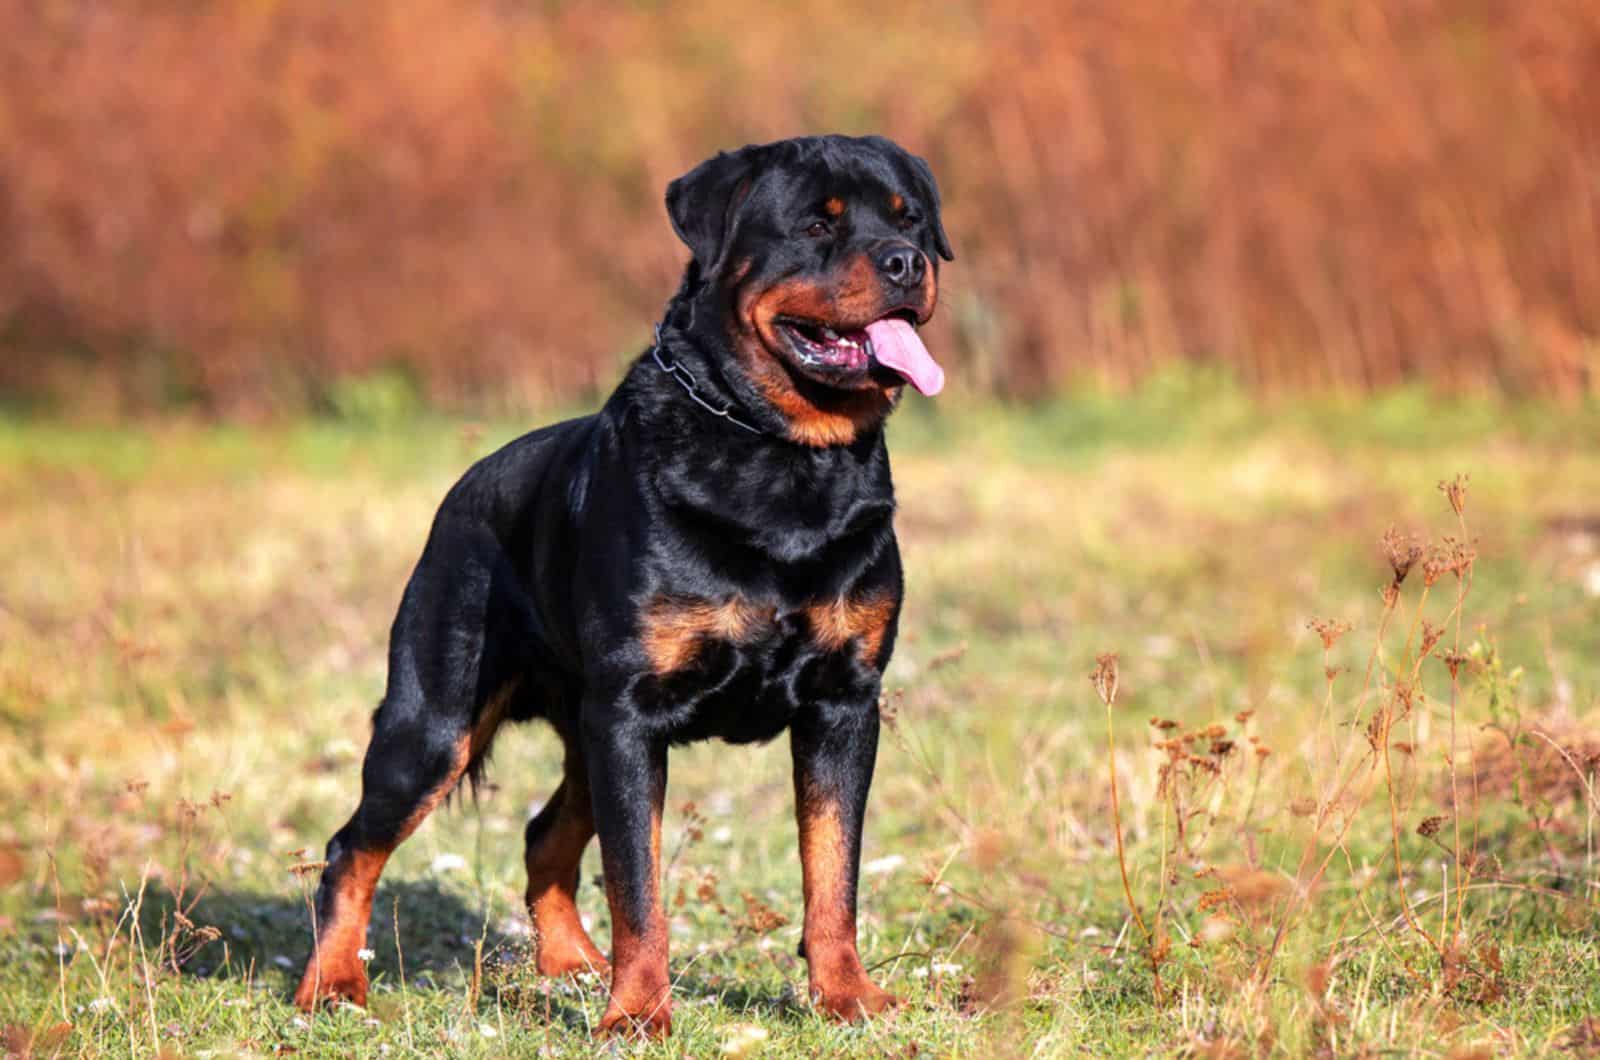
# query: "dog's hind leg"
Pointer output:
{"type": "Point", "coordinates": [410, 768]}
{"type": "Point", "coordinates": [556, 839]}
{"type": "Point", "coordinates": [448, 691]}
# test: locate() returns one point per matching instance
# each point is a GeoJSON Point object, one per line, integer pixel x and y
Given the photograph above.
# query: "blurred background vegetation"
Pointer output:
{"type": "Point", "coordinates": [259, 207]}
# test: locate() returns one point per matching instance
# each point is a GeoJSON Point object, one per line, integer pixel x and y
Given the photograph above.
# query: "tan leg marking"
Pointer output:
{"type": "Point", "coordinates": [641, 1000]}
{"type": "Point", "coordinates": [562, 946]}
{"type": "Point", "coordinates": [839, 983]}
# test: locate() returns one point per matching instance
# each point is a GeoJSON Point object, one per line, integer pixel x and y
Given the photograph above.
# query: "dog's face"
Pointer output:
{"type": "Point", "coordinates": [822, 254]}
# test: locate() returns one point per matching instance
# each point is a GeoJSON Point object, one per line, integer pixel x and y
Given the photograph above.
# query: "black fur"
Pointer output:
{"type": "Point", "coordinates": [545, 555]}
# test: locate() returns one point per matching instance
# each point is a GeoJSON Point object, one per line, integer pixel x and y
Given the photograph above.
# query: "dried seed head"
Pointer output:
{"type": "Point", "coordinates": [1451, 557]}
{"type": "Point", "coordinates": [1377, 728]}
{"type": "Point", "coordinates": [1455, 491]}
{"type": "Point", "coordinates": [1430, 826]}
{"type": "Point", "coordinates": [1402, 551]}
{"type": "Point", "coordinates": [1454, 660]}
{"type": "Point", "coordinates": [759, 917]}
{"type": "Point", "coordinates": [1462, 556]}
{"type": "Point", "coordinates": [1329, 629]}
{"type": "Point", "coordinates": [1104, 677]}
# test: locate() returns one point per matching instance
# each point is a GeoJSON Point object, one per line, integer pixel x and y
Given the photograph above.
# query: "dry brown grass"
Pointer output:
{"type": "Point", "coordinates": [239, 204]}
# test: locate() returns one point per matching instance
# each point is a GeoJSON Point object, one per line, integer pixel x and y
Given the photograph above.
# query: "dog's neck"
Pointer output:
{"type": "Point", "coordinates": [709, 465]}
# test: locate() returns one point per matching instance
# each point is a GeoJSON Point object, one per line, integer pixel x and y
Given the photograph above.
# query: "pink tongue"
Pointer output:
{"type": "Point", "coordinates": [895, 344]}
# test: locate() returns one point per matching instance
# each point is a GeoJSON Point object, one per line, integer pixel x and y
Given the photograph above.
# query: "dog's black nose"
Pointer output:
{"type": "Point", "coordinates": [903, 265]}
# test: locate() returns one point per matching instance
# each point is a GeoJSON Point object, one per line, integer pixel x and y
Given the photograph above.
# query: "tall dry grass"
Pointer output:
{"type": "Point", "coordinates": [236, 203]}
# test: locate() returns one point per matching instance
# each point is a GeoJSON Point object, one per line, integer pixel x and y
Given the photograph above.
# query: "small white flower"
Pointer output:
{"type": "Point", "coordinates": [939, 968]}
{"type": "Point", "coordinates": [282, 962]}
{"type": "Point", "coordinates": [487, 1031]}
{"type": "Point", "coordinates": [449, 863]}
{"type": "Point", "coordinates": [365, 954]}
{"type": "Point", "coordinates": [723, 834]}
{"type": "Point", "coordinates": [883, 866]}
{"type": "Point", "coordinates": [102, 1004]}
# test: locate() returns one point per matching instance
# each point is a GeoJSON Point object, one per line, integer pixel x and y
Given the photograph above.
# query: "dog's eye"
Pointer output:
{"type": "Point", "coordinates": [818, 229]}
{"type": "Point", "coordinates": [906, 222]}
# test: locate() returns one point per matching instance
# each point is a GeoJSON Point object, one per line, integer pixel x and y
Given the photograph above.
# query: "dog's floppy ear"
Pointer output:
{"type": "Point", "coordinates": [930, 193]}
{"type": "Point", "coordinates": [704, 204]}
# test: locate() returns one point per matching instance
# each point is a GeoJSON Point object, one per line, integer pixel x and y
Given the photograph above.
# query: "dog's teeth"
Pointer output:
{"type": "Point", "coordinates": [830, 335]}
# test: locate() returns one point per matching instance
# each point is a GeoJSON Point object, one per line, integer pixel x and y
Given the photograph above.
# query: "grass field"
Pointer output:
{"type": "Point", "coordinates": [192, 632]}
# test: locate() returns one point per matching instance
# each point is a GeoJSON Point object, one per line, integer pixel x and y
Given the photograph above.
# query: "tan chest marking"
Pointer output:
{"type": "Point", "coordinates": [672, 629]}
{"type": "Point", "coordinates": [863, 619]}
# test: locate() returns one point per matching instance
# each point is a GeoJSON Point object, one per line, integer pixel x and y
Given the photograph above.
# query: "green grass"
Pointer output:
{"type": "Point", "coordinates": [192, 624]}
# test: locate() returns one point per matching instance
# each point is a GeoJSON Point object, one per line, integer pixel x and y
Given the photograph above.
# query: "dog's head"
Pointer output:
{"type": "Point", "coordinates": [821, 256]}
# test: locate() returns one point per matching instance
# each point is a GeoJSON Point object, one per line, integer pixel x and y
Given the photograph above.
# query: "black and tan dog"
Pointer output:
{"type": "Point", "coordinates": [712, 554]}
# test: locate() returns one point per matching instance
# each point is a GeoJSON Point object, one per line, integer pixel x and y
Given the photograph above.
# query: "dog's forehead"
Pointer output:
{"type": "Point", "coordinates": [850, 170]}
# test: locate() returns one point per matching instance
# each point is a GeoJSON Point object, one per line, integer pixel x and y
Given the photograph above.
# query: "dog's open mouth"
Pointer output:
{"type": "Point", "coordinates": [890, 342]}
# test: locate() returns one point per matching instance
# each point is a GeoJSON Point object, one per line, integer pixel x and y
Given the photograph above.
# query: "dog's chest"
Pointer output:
{"type": "Point", "coordinates": [739, 669]}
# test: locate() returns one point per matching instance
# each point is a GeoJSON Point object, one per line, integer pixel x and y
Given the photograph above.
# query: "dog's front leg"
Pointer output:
{"type": "Point", "coordinates": [834, 747]}
{"type": "Point", "coordinates": [628, 778]}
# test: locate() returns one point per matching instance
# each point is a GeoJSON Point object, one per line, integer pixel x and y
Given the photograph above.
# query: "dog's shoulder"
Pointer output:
{"type": "Point", "coordinates": [500, 485]}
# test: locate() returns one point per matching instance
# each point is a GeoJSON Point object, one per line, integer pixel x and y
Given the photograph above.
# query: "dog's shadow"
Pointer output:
{"type": "Point", "coordinates": [428, 938]}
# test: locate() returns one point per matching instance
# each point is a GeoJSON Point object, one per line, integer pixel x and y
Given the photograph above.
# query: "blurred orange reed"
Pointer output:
{"type": "Point", "coordinates": [235, 203]}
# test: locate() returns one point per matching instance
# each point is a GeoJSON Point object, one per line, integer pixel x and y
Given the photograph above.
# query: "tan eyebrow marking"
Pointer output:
{"type": "Point", "coordinates": [897, 202]}
{"type": "Point", "coordinates": [833, 207]}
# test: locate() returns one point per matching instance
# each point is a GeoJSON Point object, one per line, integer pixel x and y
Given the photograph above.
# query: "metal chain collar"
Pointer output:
{"type": "Point", "coordinates": [686, 380]}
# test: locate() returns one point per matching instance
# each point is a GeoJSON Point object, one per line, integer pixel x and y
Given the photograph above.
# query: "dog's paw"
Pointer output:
{"type": "Point", "coordinates": [560, 963]}
{"type": "Point", "coordinates": [852, 1002]}
{"type": "Point", "coordinates": [333, 985]}
{"type": "Point", "coordinates": [655, 1022]}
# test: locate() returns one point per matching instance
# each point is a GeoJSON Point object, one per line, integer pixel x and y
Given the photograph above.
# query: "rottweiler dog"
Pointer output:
{"type": "Point", "coordinates": [712, 554]}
